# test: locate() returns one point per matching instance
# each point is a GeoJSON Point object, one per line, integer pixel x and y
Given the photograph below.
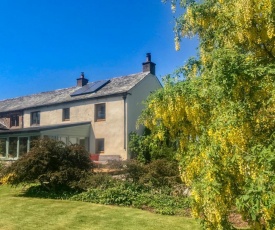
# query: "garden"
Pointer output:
{"type": "Point", "coordinates": [54, 171]}
{"type": "Point", "coordinates": [55, 175]}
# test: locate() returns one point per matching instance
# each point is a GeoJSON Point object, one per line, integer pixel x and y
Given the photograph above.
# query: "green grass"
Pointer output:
{"type": "Point", "coordinates": [19, 212]}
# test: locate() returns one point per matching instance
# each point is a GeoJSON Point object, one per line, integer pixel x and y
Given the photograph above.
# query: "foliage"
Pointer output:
{"type": "Point", "coordinates": [154, 186]}
{"type": "Point", "coordinates": [129, 194]}
{"type": "Point", "coordinates": [145, 149]}
{"type": "Point", "coordinates": [53, 164]}
{"type": "Point", "coordinates": [156, 174]}
{"type": "Point", "coordinates": [97, 180]}
{"type": "Point", "coordinates": [4, 175]}
{"type": "Point", "coordinates": [222, 115]}
{"type": "Point", "coordinates": [1, 168]}
{"type": "Point", "coordinates": [139, 148]}
{"type": "Point", "coordinates": [246, 25]}
{"type": "Point", "coordinates": [160, 173]}
{"type": "Point", "coordinates": [134, 170]}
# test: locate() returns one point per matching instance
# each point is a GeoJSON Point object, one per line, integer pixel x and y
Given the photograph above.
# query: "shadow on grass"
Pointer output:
{"type": "Point", "coordinates": [38, 191]}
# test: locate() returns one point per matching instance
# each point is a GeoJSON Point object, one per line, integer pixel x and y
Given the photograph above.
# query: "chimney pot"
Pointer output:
{"type": "Point", "coordinates": [82, 80]}
{"type": "Point", "coordinates": [148, 55]}
{"type": "Point", "coordinates": [149, 66]}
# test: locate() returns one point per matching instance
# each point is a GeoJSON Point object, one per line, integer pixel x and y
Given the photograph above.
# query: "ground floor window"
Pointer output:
{"type": "Point", "coordinates": [73, 140]}
{"type": "Point", "coordinates": [83, 142]}
{"type": "Point", "coordinates": [23, 145]}
{"type": "Point", "coordinates": [99, 144]}
{"type": "Point", "coordinates": [14, 147]}
{"type": "Point", "coordinates": [2, 147]}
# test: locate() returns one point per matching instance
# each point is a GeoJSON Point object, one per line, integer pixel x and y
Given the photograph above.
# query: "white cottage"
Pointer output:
{"type": "Point", "coordinates": [98, 115]}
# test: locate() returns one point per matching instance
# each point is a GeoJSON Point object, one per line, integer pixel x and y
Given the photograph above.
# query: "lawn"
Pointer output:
{"type": "Point", "coordinates": [19, 212]}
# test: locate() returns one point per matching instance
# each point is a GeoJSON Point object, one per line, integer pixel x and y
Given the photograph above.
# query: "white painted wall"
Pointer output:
{"type": "Point", "coordinates": [135, 99]}
{"type": "Point", "coordinates": [112, 129]}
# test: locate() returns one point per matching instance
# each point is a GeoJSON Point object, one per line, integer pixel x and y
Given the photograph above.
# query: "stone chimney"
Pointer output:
{"type": "Point", "coordinates": [82, 80]}
{"type": "Point", "coordinates": [149, 66]}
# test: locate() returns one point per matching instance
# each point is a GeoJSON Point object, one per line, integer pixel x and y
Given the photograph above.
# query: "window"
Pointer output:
{"type": "Point", "coordinates": [72, 140]}
{"type": "Point", "coordinates": [66, 114]}
{"type": "Point", "coordinates": [13, 147]}
{"type": "Point", "coordinates": [63, 139]}
{"type": "Point", "coordinates": [23, 145]}
{"type": "Point", "coordinates": [83, 142]}
{"type": "Point", "coordinates": [100, 112]}
{"type": "Point", "coordinates": [14, 120]}
{"type": "Point", "coordinates": [99, 144]}
{"type": "Point", "coordinates": [35, 118]}
{"type": "Point", "coordinates": [2, 147]}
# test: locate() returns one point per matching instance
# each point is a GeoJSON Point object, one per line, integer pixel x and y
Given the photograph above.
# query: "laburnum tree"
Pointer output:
{"type": "Point", "coordinates": [221, 115]}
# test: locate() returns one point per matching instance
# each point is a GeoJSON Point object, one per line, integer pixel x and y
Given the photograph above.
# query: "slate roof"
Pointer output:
{"type": "Point", "coordinates": [115, 86]}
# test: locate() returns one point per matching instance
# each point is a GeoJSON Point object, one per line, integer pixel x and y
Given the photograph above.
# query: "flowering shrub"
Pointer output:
{"type": "Point", "coordinates": [221, 115]}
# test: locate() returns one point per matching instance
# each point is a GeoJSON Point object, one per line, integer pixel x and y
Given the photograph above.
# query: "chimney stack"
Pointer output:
{"type": "Point", "coordinates": [149, 66]}
{"type": "Point", "coordinates": [82, 80]}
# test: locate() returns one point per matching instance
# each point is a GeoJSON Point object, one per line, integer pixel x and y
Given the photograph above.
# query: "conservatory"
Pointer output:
{"type": "Point", "coordinates": [16, 143]}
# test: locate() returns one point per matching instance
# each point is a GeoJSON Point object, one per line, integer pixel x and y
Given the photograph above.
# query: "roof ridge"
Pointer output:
{"type": "Point", "coordinates": [128, 75]}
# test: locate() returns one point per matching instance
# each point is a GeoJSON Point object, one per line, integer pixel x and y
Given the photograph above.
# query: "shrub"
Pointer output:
{"type": "Point", "coordinates": [3, 173]}
{"type": "Point", "coordinates": [138, 147]}
{"type": "Point", "coordinates": [121, 193]}
{"type": "Point", "coordinates": [156, 174]}
{"type": "Point", "coordinates": [97, 180]}
{"type": "Point", "coordinates": [53, 164]}
{"type": "Point", "coordinates": [129, 194]}
{"type": "Point", "coordinates": [134, 170]}
{"type": "Point", "coordinates": [161, 172]}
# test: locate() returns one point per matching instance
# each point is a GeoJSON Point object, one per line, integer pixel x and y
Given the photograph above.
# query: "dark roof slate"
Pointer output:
{"type": "Point", "coordinates": [115, 86]}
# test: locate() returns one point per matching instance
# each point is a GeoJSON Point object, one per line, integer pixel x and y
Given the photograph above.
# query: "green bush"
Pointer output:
{"type": "Point", "coordinates": [121, 193]}
{"type": "Point", "coordinates": [161, 172]}
{"type": "Point", "coordinates": [53, 164]}
{"type": "Point", "coordinates": [3, 169]}
{"type": "Point", "coordinates": [134, 170]}
{"type": "Point", "coordinates": [97, 180]}
{"type": "Point", "coordinates": [155, 187]}
{"type": "Point", "coordinates": [138, 147]}
{"type": "Point", "coordinates": [145, 148]}
{"type": "Point", "coordinates": [129, 194]}
{"type": "Point", "coordinates": [156, 174]}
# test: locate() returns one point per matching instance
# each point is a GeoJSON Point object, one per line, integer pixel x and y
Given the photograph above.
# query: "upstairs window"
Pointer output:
{"type": "Point", "coordinates": [100, 112]}
{"type": "Point", "coordinates": [14, 120]}
{"type": "Point", "coordinates": [35, 118]}
{"type": "Point", "coordinates": [66, 114]}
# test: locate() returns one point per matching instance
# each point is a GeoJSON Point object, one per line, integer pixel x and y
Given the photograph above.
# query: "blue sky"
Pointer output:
{"type": "Point", "coordinates": [45, 44]}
